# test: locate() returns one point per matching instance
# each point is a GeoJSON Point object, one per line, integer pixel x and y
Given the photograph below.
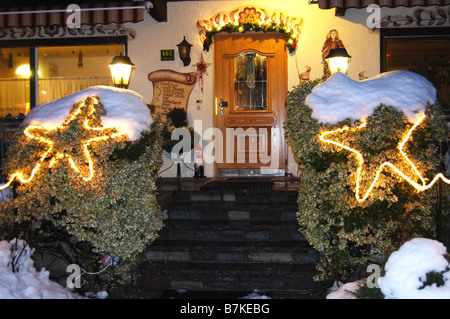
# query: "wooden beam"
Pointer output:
{"type": "Point", "coordinates": [159, 10]}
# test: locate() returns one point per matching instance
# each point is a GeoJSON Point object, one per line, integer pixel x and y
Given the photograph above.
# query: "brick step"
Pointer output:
{"type": "Point", "coordinates": [227, 276]}
{"type": "Point", "coordinates": [231, 230]}
{"type": "Point", "coordinates": [227, 251]}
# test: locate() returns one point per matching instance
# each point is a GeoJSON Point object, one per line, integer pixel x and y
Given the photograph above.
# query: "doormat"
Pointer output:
{"type": "Point", "coordinates": [238, 185]}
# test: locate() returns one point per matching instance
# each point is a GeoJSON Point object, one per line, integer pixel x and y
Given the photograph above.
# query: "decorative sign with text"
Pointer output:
{"type": "Point", "coordinates": [171, 89]}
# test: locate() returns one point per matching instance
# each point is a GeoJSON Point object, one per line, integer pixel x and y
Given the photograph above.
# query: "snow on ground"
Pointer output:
{"type": "Point", "coordinates": [406, 271]}
{"type": "Point", "coordinates": [25, 282]}
{"type": "Point", "coordinates": [344, 291]}
{"type": "Point", "coordinates": [123, 108]}
{"type": "Point", "coordinates": [340, 97]}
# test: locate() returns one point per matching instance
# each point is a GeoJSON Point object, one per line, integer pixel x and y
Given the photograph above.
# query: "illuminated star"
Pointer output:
{"type": "Point", "coordinates": [75, 149]}
{"type": "Point", "coordinates": [422, 186]}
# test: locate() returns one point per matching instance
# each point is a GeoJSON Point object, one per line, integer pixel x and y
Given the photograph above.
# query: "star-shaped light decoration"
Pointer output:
{"type": "Point", "coordinates": [65, 142]}
{"type": "Point", "coordinates": [410, 172]}
{"type": "Point", "coordinates": [201, 69]}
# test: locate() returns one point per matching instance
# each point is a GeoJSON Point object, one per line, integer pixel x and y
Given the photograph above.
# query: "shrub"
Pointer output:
{"type": "Point", "coordinates": [116, 212]}
{"type": "Point", "coordinates": [345, 231]}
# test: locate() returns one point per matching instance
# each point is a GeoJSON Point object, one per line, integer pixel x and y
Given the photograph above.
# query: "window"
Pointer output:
{"type": "Point", "coordinates": [424, 51]}
{"type": "Point", "coordinates": [66, 70]}
{"type": "Point", "coordinates": [14, 81]}
{"type": "Point", "coordinates": [62, 70]}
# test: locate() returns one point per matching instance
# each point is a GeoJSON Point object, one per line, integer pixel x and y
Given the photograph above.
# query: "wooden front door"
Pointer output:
{"type": "Point", "coordinates": [250, 85]}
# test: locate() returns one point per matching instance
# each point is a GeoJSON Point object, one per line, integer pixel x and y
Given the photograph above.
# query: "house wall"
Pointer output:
{"type": "Point", "coordinates": [361, 42]}
{"type": "Point", "coordinates": [148, 37]}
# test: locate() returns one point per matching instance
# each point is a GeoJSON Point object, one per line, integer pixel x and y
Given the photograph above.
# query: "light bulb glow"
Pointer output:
{"type": "Point", "coordinates": [338, 64]}
{"type": "Point", "coordinates": [30, 132]}
{"type": "Point", "coordinates": [121, 73]}
{"type": "Point", "coordinates": [419, 187]}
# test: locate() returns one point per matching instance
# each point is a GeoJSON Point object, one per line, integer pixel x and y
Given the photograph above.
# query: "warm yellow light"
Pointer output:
{"type": "Point", "coordinates": [58, 155]}
{"type": "Point", "coordinates": [420, 187]}
{"type": "Point", "coordinates": [121, 67]}
{"type": "Point", "coordinates": [121, 74]}
{"type": "Point", "coordinates": [338, 64]}
{"type": "Point", "coordinates": [25, 70]}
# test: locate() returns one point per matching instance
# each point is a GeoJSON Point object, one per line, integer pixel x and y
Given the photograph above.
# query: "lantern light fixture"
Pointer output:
{"type": "Point", "coordinates": [184, 49]}
{"type": "Point", "coordinates": [121, 68]}
{"type": "Point", "coordinates": [338, 60]}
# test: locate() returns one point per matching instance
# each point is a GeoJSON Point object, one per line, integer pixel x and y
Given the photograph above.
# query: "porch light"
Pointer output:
{"type": "Point", "coordinates": [121, 68]}
{"type": "Point", "coordinates": [338, 60]}
{"type": "Point", "coordinates": [184, 49]}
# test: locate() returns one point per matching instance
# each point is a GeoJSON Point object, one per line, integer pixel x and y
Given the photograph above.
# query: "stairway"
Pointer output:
{"type": "Point", "coordinates": [237, 240]}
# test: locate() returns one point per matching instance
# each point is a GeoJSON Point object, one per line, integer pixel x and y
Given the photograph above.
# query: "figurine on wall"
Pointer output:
{"type": "Point", "coordinates": [332, 42]}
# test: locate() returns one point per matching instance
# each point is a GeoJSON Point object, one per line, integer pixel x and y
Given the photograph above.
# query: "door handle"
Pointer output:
{"type": "Point", "coordinates": [222, 104]}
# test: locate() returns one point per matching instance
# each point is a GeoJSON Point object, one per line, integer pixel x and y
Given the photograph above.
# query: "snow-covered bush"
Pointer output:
{"type": "Point", "coordinates": [420, 269]}
{"type": "Point", "coordinates": [346, 231]}
{"type": "Point", "coordinates": [116, 211]}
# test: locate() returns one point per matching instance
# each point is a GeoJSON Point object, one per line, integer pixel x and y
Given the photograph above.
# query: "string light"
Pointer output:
{"type": "Point", "coordinates": [92, 101]}
{"type": "Point", "coordinates": [420, 187]}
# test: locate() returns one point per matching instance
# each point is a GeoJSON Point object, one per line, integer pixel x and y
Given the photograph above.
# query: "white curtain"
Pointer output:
{"type": "Point", "coordinates": [14, 96]}
{"type": "Point", "coordinates": [15, 93]}
{"type": "Point", "coordinates": [56, 88]}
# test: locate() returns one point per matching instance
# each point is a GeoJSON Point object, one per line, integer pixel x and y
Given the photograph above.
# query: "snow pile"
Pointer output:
{"type": "Point", "coordinates": [255, 295]}
{"type": "Point", "coordinates": [406, 271]}
{"type": "Point", "coordinates": [340, 97]}
{"type": "Point", "coordinates": [123, 108]}
{"type": "Point", "coordinates": [20, 280]}
{"type": "Point", "coordinates": [344, 291]}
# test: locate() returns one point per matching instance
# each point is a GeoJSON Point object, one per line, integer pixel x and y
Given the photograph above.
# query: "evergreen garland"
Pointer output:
{"type": "Point", "coordinates": [246, 27]}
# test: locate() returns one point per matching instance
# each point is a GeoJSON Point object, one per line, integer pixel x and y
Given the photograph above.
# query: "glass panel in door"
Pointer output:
{"type": "Point", "coordinates": [250, 82]}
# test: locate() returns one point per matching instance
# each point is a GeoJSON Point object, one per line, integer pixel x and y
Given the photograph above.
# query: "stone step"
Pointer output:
{"type": "Point", "coordinates": [241, 197]}
{"type": "Point", "coordinates": [231, 231]}
{"type": "Point", "coordinates": [227, 251]}
{"type": "Point", "coordinates": [227, 276]}
{"type": "Point", "coordinates": [230, 240]}
{"type": "Point", "coordinates": [230, 214]}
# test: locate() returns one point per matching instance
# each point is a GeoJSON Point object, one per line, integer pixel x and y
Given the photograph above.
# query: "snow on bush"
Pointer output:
{"type": "Point", "coordinates": [123, 108]}
{"type": "Point", "coordinates": [20, 280]}
{"type": "Point", "coordinates": [341, 97]}
{"type": "Point", "coordinates": [407, 269]}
